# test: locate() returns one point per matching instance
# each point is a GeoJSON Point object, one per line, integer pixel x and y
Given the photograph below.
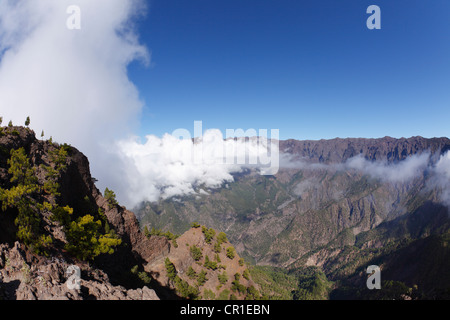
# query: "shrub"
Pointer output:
{"type": "Point", "coordinates": [110, 196]}
{"type": "Point", "coordinates": [231, 253]}
{"type": "Point", "coordinates": [201, 279]}
{"type": "Point", "coordinates": [20, 197]}
{"type": "Point", "coordinates": [217, 247]}
{"type": "Point", "coordinates": [246, 274]}
{"type": "Point", "coordinates": [222, 238]}
{"type": "Point", "coordinates": [191, 273]}
{"type": "Point", "coordinates": [170, 268]}
{"type": "Point", "coordinates": [209, 234]}
{"type": "Point", "coordinates": [209, 294]}
{"type": "Point", "coordinates": [237, 286]}
{"type": "Point", "coordinates": [196, 253]}
{"type": "Point", "coordinates": [85, 240]}
{"type": "Point", "coordinates": [195, 225]}
{"type": "Point", "coordinates": [210, 264]}
{"type": "Point", "coordinates": [224, 295]}
{"type": "Point", "coordinates": [223, 277]}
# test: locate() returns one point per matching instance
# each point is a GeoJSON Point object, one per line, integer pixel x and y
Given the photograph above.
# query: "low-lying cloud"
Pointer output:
{"type": "Point", "coordinates": [406, 170]}
{"type": "Point", "coordinates": [441, 178]}
{"type": "Point", "coordinates": [169, 166]}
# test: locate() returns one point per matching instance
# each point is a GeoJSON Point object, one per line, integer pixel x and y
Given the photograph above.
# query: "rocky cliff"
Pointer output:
{"type": "Point", "coordinates": [339, 150]}
{"type": "Point", "coordinates": [25, 274]}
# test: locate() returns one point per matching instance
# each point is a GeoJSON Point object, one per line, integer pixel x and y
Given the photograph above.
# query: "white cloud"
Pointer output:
{"type": "Point", "coordinates": [168, 166]}
{"type": "Point", "coordinates": [442, 177]}
{"type": "Point", "coordinates": [403, 171]}
{"type": "Point", "coordinates": [72, 83]}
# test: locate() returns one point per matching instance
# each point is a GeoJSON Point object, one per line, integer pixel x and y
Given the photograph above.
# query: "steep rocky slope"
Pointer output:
{"type": "Point", "coordinates": [206, 268]}
{"type": "Point", "coordinates": [29, 274]}
{"type": "Point", "coordinates": [27, 277]}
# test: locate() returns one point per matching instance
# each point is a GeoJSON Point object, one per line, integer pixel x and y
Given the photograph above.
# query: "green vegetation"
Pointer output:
{"type": "Point", "coordinates": [196, 253]}
{"type": "Point", "coordinates": [252, 294]}
{"type": "Point", "coordinates": [212, 265]}
{"type": "Point", "coordinates": [224, 295]}
{"type": "Point", "coordinates": [191, 273]}
{"type": "Point", "coordinates": [58, 159]}
{"type": "Point", "coordinates": [221, 238]}
{"type": "Point", "coordinates": [21, 197]}
{"type": "Point", "coordinates": [246, 274]}
{"type": "Point", "coordinates": [183, 288]}
{"type": "Point", "coordinates": [237, 286]}
{"type": "Point", "coordinates": [231, 253]}
{"type": "Point", "coordinates": [86, 241]}
{"type": "Point", "coordinates": [209, 234]}
{"type": "Point", "coordinates": [170, 268]}
{"type": "Point", "coordinates": [223, 277]}
{"type": "Point", "coordinates": [274, 283]}
{"type": "Point", "coordinates": [110, 196]}
{"type": "Point", "coordinates": [201, 279]}
{"type": "Point", "coordinates": [209, 294]}
{"type": "Point", "coordinates": [86, 236]}
{"type": "Point", "coordinates": [141, 275]}
{"type": "Point", "coordinates": [158, 232]}
{"type": "Point", "coordinates": [312, 285]}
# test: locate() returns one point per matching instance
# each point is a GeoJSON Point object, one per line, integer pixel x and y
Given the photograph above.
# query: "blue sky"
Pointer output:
{"type": "Point", "coordinates": [311, 69]}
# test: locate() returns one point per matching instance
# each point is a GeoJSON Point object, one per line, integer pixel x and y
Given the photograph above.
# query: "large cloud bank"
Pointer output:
{"type": "Point", "coordinates": [72, 83]}
{"type": "Point", "coordinates": [169, 166]}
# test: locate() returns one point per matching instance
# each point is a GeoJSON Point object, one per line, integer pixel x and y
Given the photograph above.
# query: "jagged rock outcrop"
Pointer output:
{"type": "Point", "coordinates": [24, 275]}
{"type": "Point", "coordinates": [27, 277]}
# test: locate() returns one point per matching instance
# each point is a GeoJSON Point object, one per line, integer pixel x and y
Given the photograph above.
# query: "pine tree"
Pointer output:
{"type": "Point", "coordinates": [201, 279]}
{"type": "Point", "coordinates": [27, 122]}
{"type": "Point", "coordinates": [170, 268]}
{"type": "Point", "coordinates": [10, 124]}
{"type": "Point", "coordinates": [231, 253]}
{"type": "Point", "coordinates": [146, 232]}
{"type": "Point", "coordinates": [110, 196]}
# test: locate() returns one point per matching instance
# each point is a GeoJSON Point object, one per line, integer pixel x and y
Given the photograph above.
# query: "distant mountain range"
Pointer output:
{"type": "Point", "coordinates": [335, 206]}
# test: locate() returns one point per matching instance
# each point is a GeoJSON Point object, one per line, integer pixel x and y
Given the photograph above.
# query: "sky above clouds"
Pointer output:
{"type": "Point", "coordinates": [309, 68]}
{"type": "Point", "coordinates": [139, 69]}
